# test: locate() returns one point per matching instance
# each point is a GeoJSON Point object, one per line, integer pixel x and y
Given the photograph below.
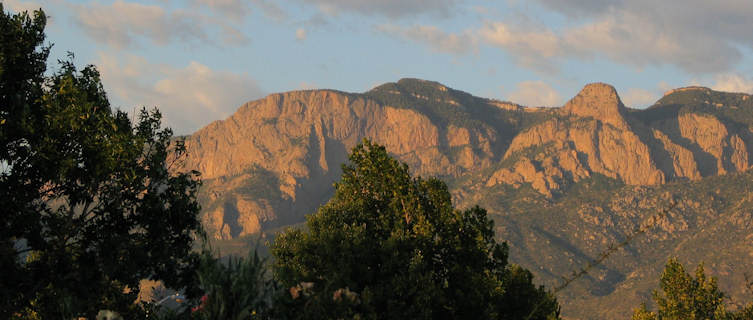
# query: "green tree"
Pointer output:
{"type": "Point", "coordinates": [89, 205]}
{"type": "Point", "coordinates": [22, 65]}
{"type": "Point", "coordinates": [391, 246]}
{"type": "Point", "coordinates": [684, 297]}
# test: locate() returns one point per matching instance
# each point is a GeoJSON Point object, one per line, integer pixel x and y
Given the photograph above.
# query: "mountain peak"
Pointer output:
{"type": "Point", "coordinates": [599, 101]}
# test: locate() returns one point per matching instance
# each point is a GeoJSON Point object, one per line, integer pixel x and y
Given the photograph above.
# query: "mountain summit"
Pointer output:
{"type": "Point", "coordinates": [599, 101]}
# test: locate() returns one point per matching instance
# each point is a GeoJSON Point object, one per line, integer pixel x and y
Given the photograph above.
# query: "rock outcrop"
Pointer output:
{"type": "Point", "coordinates": [599, 101]}
{"type": "Point", "coordinates": [708, 133]}
{"type": "Point", "coordinates": [592, 137]}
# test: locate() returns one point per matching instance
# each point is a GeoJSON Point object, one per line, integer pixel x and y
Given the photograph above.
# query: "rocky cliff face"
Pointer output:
{"type": "Point", "coordinates": [561, 183]}
{"type": "Point", "coordinates": [591, 136]}
{"type": "Point", "coordinates": [300, 139]}
{"type": "Point", "coordinates": [293, 143]}
{"type": "Point", "coordinates": [595, 133]}
{"type": "Point", "coordinates": [719, 150]}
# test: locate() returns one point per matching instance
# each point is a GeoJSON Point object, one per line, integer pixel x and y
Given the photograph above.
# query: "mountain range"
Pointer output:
{"type": "Point", "coordinates": [563, 184]}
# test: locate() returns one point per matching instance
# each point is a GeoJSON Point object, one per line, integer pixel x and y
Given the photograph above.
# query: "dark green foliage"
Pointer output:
{"type": "Point", "coordinates": [389, 245]}
{"type": "Point", "coordinates": [89, 204]}
{"type": "Point", "coordinates": [237, 289]}
{"type": "Point", "coordinates": [22, 65]}
{"type": "Point", "coordinates": [23, 61]}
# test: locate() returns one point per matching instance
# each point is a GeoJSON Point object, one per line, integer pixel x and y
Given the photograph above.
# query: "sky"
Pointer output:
{"type": "Point", "coordinates": [199, 60]}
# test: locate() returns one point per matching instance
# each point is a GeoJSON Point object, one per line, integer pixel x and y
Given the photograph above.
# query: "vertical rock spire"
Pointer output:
{"type": "Point", "coordinates": [599, 101]}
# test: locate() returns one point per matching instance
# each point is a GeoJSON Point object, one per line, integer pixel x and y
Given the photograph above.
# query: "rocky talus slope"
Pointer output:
{"type": "Point", "coordinates": [562, 183]}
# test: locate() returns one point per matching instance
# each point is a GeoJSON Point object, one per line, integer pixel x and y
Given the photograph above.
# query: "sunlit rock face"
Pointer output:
{"type": "Point", "coordinates": [276, 158]}
{"type": "Point", "coordinates": [298, 140]}
{"type": "Point", "coordinates": [561, 183]}
{"type": "Point", "coordinates": [599, 101]}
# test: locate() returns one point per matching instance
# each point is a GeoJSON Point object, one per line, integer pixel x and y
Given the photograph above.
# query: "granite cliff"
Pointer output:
{"type": "Point", "coordinates": [293, 143]}
{"type": "Point", "coordinates": [561, 183]}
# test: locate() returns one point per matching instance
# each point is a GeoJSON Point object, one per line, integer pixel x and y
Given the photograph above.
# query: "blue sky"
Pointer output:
{"type": "Point", "coordinates": [198, 60]}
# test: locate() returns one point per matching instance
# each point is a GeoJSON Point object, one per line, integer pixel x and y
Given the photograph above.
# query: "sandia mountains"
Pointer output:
{"type": "Point", "coordinates": [563, 184]}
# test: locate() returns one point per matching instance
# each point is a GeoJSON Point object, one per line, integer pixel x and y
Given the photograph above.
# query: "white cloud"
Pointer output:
{"type": "Point", "coordinates": [300, 34]}
{"type": "Point", "coordinates": [122, 24]}
{"type": "Point", "coordinates": [733, 83]}
{"type": "Point", "coordinates": [388, 8]}
{"type": "Point", "coordinates": [433, 37]}
{"type": "Point", "coordinates": [535, 93]}
{"type": "Point", "coordinates": [621, 36]}
{"type": "Point", "coordinates": [639, 98]}
{"type": "Point", "coordinates": [531, 47]}
{"type": "Point", "coordinates": [697, 36]}
{"type": "Point", "coordinates": [189, 97]}
{"type": "Point", "coordinates": [635, 39]}
{"type": "Point", "coordinates": [540, 42]}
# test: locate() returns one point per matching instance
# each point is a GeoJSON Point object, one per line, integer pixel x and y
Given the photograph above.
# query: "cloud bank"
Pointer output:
{"type": "Point", "coordinates": [432, 36]}
{"type": "Point", "coordinates": [188, 97]}
{"type": "Point", "coordinates": [122, 24]}
{"type": "Point", "coordinates": [696, 36]}
{"type": "Point", "coordinates": [535, 94]}
{"type": "Point", "coordinates": [733, 83]}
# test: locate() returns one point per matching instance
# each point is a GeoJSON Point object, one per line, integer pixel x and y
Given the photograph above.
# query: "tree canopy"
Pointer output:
{"type": "Point", "coordinates": [89, 205]}
{"type": "Point", "coordinates": [685, 297]}
{"type": "Point", "coordinates": [390, 245]}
